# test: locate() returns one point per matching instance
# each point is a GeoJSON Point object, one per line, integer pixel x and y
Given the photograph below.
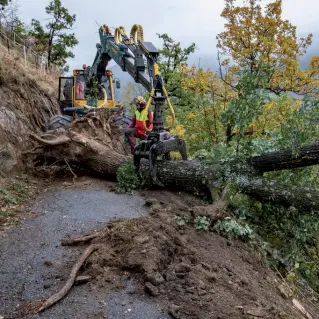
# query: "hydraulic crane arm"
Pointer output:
{"type": "Point", "coordinates": [139, 59]}
{"type": "Point", "coordinates": [129, 55]}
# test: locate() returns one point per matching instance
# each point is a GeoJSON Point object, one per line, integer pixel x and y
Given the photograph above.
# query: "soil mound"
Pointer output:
{"type": "Point", "coordinates": [194, 274]}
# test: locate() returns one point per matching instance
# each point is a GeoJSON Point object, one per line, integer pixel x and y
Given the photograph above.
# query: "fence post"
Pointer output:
{"type": "Point", "coordinates": [25, 56]}
{"type": "Point", "coordinates": [14, 38]}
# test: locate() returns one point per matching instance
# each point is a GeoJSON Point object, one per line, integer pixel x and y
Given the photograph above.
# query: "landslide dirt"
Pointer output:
{"type": "Point", "coordinates": [193, 274]}
{"type": "Point", "coordinates": [28, 98]}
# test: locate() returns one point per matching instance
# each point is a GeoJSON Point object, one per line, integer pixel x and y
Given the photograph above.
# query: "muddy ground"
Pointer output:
{"type": "Point", "coordinates": [147, 266]}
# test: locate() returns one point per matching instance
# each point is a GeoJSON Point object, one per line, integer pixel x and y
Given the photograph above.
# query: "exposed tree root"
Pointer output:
{"type": "Point", "coordinates": [55, 142]}
{"type": "Point", "coordinates": [85, 238]}
{"type": "Point", "coordinates": [79, 240]}
{"type": "Point", "coordinates": [37, 306]}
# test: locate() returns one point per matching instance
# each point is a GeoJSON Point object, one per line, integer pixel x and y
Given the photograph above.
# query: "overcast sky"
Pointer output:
{"type": "Point", "coordinates": [186, 21]}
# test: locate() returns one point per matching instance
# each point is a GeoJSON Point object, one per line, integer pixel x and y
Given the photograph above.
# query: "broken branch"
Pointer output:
{"type": "Point", "coordinates": [37, 306]}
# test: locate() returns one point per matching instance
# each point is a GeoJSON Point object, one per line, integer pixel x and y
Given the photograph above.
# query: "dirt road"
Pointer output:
{"type": "Point", "coordinates": [34, 264]}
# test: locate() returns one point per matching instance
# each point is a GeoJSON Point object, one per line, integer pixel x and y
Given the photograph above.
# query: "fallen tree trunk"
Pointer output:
{"type": "Point", "coordinates": [287, 159]}
{"type": "Point", "coordinates": [94, 142]}
{"type": "Point", "coordinates": [302, 198]}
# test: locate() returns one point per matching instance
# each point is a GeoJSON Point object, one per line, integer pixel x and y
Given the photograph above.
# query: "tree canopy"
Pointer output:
{"type": "Point", "coordinates": [56, 38]}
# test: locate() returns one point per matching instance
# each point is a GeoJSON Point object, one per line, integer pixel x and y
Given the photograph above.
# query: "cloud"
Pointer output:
{"type": "Point", "coordinates": [186, 21]}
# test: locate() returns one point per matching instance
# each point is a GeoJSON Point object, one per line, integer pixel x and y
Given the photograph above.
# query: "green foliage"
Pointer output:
{"type": "Point", "coordinates": [127, 178]}
{"type": "Point", "coordinates": [233, 229]}
{"type": "Point", "coordinates": [182, 220]}
{"type": "Point", "coordinates": [55, 38]}
{"type": "Point", "coordinates": [92, 91]}
{"type": "Point", "coordinates": [172, 57]}
{"type": "Point", "coordinates": [199, 222]}
{"type": "Point", "coordinates": [290, 236]}
{"type": "Point", "coordinates": [202, 222]}
{"type": "Point", "coordinates": [227, 228]}
{"type": "Point", "coordinates": [4, 3]}
{"type": "Point", "coordinates": [15, 192]}
{"type": "Point", "coordinates": [6, 197]}
{"type": "Point", "coordinates": [249, 104]}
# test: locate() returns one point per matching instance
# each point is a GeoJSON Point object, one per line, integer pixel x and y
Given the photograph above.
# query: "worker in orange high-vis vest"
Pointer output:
{"type": "Point", "coordinates": [136, 128]}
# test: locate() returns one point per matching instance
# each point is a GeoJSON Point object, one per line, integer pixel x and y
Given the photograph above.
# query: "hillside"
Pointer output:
{"type": "Point", "coordinates": [28, 97]}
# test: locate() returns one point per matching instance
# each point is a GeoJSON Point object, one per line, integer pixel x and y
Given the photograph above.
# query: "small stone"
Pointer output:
{"type": "Point", "coordinates": [202, 292]}
{"type": "Point", "coordinates": [155, 278]}
{"type": "Point", "coordinates": [244, 282]}
{"type": "Point", "coordinates": [46, 286]}
{"type": "Point", "coordinates": [67, 184]}
{"type": "Point", "coordinates": [131, 290]}
{"type": "Point", "coordinates": [162, 290]}
{"type": "Point", "coordinates": [123, 303]}
{"type": "Point", "coordinates": [206, 266]}
{"type": "Point", "coordinates": [142, 239]}
{"type": "Point", "coordinates": [211, 277]}
{"type": "Point", "coordinates": [256, 313]}
{"type": "Point", "coordinates": [182, 268]}
{"type": "Point", "coordinates": [151, 289]}
{"type": "Point", "coordinates": [170, 276]}
{"type": "Point", "coordinates": [174, 311]}
{"type": "Point", "coordinates": [284, 291]}
{"type": "Point", "coordinates": [201, 284]}
{"type": "Point", "coordinates": [151, 201]}
{"type": "Point", "coordinates": [82, 279]}
{"type": "Point", "coordinates": [191, 290]}
{"type": "Point", "coordinates": [48, 263]}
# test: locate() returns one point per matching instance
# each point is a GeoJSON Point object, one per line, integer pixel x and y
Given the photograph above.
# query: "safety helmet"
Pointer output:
{"type": "Point", "coordinates": [140, 101]}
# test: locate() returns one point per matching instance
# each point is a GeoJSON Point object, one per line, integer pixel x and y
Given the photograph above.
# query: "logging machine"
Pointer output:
{"type": "Point", "coordinates": [139, 59]}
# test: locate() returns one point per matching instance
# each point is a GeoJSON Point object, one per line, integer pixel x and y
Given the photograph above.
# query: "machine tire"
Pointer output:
{"type": "Point", "coordinates": [58, 121]}
{"type": "Point", "coordinates": [122, 120]}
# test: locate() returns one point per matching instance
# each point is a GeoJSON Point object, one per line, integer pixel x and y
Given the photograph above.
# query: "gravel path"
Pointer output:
{"type": "Point", "coordinates": [26, 253]}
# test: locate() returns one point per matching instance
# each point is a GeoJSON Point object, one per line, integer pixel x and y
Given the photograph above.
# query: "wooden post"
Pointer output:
{"type": "Point", "coordinates": [25, 55]}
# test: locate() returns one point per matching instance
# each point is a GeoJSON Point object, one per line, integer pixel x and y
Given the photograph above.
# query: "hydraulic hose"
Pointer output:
{"type": "Point", "coordinates": [145, 111]}
{"type": "Point", "coordinates": [136, 31]}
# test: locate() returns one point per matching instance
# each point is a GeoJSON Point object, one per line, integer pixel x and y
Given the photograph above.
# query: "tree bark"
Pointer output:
{"type": "Point", "coordinates": [305, 156]}
{"type": "Point", "coordinates": [303, 198]}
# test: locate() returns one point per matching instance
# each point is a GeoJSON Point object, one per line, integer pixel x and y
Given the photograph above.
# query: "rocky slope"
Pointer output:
{"type": "Point", "coordinates": [28, 97]}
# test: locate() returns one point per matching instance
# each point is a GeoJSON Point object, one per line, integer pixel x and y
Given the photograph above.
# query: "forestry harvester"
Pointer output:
{"type": "Point", "coordinates": [92, 89]}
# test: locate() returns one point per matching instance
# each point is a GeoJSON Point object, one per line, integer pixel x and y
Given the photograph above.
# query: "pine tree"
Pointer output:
{"type": "Point", "coordinates": [55, 38]}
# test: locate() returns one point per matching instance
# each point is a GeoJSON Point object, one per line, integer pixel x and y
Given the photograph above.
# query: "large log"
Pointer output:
{"type": "Point", "coordinates": [287, 159]}
{"type": "Point", "coordinates": [303, 198]}
{"type": "Point", "coordinates": [94, 142]}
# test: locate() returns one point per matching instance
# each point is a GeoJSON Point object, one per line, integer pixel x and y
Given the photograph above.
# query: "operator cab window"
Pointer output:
{"type": "Point", "coordinates": [105, 83]}
{"type": "Point", "coordinates": [79, 87]}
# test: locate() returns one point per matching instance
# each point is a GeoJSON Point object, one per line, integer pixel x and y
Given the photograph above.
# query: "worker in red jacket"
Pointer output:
{"type": "Point", "coordinates": [136, 128]}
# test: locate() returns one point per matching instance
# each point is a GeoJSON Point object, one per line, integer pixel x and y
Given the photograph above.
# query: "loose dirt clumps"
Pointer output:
{"type": "Point", "coordinates": [194, 274]}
